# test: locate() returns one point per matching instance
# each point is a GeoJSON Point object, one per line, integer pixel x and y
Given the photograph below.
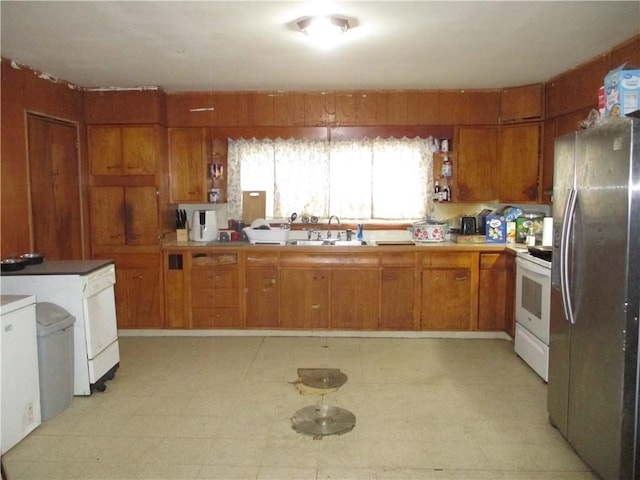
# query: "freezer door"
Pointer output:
{"type": "Point", "coordinates": [559, 335]}
{"type": "Point", "coordinates": [563, 181]}
{"type": "Point", "coordinates": [559, 354]}
{"type": "Point", "coordinates": [598, 358]}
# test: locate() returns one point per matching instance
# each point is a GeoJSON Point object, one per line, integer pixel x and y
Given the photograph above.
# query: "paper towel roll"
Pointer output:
{"type": "Point", "coordinates": [547, 232]}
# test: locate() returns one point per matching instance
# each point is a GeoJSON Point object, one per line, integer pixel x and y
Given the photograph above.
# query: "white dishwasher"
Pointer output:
{"type": "Point", "coordinates": [20, 381]}
{"type": "Point", "coordinates": [85, 289]}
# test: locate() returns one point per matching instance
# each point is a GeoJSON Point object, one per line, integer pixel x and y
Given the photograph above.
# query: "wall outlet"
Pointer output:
{"type": "Point", "coordinates": [30, 412]}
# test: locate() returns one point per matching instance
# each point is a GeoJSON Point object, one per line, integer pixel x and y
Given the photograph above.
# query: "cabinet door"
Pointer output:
{"type": "Point", "coordinates": [187, 165]}
{"type": "Point", "coordinates": [521, 103]}
{"type": "Point", "coordinates": [138, 290]}
{"type": "Point", "coordinates": [262, 296]}
{"type": "Point", "coordinates": [355, 299]}
{"type": "Point", "coordinates": [138, 150]}
{"type": "Point", "coordinates": [304, 298]}
{"type": "Point", "coordinates": [106, 206]}
{"type": "Point", "coordinates": [124, 215]}
{"type": "Point", "coordinates": [176, 298]}
{"type": "Point", "coordinates": [141, 215]}
{"type": "Point", "coordinates": [397, 299]}
{"type": "Point", "coordinates": [475, 168]}
{"type": "Point", "coordinates": [122, 150]}
{"type": "Point", "coordinates": [496, 292]}
{"type": "Point", "coordinates": [519, 163]}
{"type": "Point", "coordinates": [138, 300]}
{"type": "Point", "coordinates": [105, 150]}
{"type": "Point", "coordinates": [449, 284]}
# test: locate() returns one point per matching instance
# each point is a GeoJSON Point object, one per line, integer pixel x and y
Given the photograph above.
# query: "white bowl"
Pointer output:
{"type": "Point", "coordinates": [277, 236]}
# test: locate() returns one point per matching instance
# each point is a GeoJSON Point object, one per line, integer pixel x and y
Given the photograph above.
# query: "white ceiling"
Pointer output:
{"type": "Point", "coordinates": [242, 45]}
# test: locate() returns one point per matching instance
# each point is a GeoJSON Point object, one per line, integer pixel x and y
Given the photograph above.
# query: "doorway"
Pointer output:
{"type": "Point", "coordinates": [54, 179]}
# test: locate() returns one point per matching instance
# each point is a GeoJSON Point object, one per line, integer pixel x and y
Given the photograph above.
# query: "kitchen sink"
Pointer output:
{"type": "Point", "coordinates": [329, 242]}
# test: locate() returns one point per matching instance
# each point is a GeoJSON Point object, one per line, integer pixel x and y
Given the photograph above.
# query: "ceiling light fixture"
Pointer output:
{"type": "Point", "coordinates": [323, 26]}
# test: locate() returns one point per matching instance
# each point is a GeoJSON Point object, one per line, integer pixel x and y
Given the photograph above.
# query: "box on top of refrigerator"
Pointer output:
{"type": "Point", "coordinates": [622, 91]}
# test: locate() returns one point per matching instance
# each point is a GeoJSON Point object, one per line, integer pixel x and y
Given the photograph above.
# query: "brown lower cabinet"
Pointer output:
{"type": "Point", "coordinates": [304, 298]}
{"type": "Point", "coordinates": [138, 289]}
{"type": "Point", "coordinates": [449, 286]}
{"type": "Point", "coordinates": [303, 289]}
{"type": "Point", "coordinates": [262, 289]}
{"type": "Point", "coordinates": [355, 303]}
{"type": "Point", "coordinates": [496, 292]}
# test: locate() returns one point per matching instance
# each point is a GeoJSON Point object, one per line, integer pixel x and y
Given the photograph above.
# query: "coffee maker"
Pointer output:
{"type": "Point", "coordinates": [204, 226]}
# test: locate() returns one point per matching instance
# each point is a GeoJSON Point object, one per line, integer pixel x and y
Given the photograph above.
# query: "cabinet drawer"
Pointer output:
{"type": "Point", "coordinates": [214, 277]}
{"type": "Point", "coordinates": [398, 259]}
{"type": "Point", "coordinates": [218, 298]}
{"type": "Point", "coordinates": [203, 260]}
{"type": "Point", "coordinates": [290, 259]}
{"type": "Point", "coordinates": [448, 260]}
{"type": "Point", "coordinates": [494, 261]}
{"type": "Point", "coordinates": [262, 259]}
{"type": "Point", "coordinates": [219, 318]}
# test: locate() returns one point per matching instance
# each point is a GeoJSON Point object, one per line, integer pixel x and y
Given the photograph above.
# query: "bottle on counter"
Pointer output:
{"type": "Point", "coordinates": [437, 194]}
{"type": "Point", "coordinates": [531, 237]}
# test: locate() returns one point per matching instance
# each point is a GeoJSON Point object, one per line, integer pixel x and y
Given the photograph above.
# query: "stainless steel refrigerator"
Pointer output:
{"type": "Point", "coordinates": [595, 305]}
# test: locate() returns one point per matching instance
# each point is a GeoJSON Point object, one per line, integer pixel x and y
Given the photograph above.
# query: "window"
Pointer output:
{"type": "Point", "coordinates": [361, 179]}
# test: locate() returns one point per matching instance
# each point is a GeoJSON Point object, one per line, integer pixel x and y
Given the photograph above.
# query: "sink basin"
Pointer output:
{"type": "Point", "coordinates": [337, 243]}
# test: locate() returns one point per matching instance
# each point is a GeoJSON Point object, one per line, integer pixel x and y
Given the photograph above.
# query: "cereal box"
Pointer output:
{"type": "Point", "coordinates": [496, 229]}
{"type": "Point", "coordinates": [622, 91]}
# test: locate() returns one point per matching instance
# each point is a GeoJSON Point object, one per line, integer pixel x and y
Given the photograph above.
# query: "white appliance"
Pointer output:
{"type": "Point", "coordinates": [533, 293]}
{"type": "Point", "coordinates": [85, 289]}
{"type": "Point", "coordinates": [20, 379]}
{"type": "Point", "coordinates": [204, 226]}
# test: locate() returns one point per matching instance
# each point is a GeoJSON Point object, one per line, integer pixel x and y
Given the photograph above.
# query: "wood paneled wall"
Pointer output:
{"type": "Point", "coordinates": [577, 89]}
{"type": "Point", "coordinates": [23, 91]}
{"type": "Point", "coordinates": [568, 98]}
{"type": "Point", "coordinates": [318, 109]}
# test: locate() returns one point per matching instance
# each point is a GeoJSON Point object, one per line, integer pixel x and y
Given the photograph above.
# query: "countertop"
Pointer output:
{"type": "Point", "coordinates": [438, 246]}
{"type": "Point", "coordinates": [61, 267]}
{"type": "Point", "coordinates": [11, 303]}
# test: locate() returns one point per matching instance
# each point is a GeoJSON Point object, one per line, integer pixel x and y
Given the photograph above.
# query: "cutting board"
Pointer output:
{"type": "Point", "coordinates": [254, 205]}
{"type": "Point", "coordinates": [456, 237]}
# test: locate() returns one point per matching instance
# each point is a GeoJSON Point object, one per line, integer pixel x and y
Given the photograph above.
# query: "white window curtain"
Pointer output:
{"type": "Point", "coordinates": [360, 179]}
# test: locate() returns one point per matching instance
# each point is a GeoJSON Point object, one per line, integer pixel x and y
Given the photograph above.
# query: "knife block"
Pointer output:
{"type": "Point", "coordinates": [181, 235]}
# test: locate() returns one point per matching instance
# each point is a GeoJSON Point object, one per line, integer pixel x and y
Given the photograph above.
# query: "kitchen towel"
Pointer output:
{"type": "Point", "coordinates": [547, 231]}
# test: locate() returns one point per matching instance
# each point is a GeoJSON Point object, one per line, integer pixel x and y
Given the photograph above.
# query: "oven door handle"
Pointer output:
{"type": "Point", "coordinates": [568, 219]}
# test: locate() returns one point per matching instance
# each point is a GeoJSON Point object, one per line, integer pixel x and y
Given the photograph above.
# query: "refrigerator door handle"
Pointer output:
{"type": "Point", "coordinates": [565, 242]}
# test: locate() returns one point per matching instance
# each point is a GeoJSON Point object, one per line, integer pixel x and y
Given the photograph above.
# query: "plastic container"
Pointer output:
{"type": "Point", "coordinates": [526, 221]}
{"type": "Point", "coordinates": [55, 358]}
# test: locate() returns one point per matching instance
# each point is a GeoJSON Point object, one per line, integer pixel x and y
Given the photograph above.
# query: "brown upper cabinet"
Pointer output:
{"type": "Point", "coordinates": [475, 164]}
{"type": "Point", "coordinates": [187, 165]}
{"type": "Point", "coordinates": [130, 150]}
{"type": "Point", "coordinates": [123, 215]}
{"type": "Point", "coordinates": [519, 165]}
{"type": "Point", "coordinates": [523, 103]}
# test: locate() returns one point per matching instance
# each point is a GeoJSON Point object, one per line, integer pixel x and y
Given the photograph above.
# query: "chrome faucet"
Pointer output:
{"type": "Point", "coordinates": [329, 225]}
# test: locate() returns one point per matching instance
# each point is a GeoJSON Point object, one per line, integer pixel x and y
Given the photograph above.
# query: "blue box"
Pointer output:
{"type": "Point", "coordinates": [622, 91]}
{"type": "Point", "coordinates": [496, 229]}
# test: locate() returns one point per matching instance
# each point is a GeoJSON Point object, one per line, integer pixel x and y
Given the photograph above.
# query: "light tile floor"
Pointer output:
{"type": "Point", "coordinates": [220, 408]}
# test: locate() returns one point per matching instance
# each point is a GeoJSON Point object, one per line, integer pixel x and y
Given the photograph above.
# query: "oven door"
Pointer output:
{"type": "Point", "coordinates": [533, 291]}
